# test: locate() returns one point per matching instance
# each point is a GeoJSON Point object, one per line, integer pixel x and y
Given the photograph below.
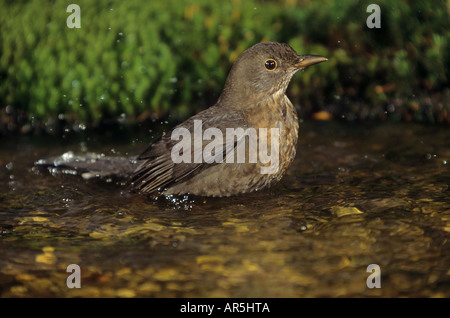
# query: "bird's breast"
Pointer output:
{"type": "Point", "coordinates": [276, 113]}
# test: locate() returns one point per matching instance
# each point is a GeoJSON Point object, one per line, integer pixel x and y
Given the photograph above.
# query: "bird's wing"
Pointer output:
{"type": "Point", "coordinates": [158, 169]}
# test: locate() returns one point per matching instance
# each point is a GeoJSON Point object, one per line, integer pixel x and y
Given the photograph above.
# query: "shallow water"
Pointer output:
{"type": "Point", "coordinates": [355, 195]}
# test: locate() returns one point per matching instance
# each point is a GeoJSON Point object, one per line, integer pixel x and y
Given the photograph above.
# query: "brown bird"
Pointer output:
{"type": "Point", "coordinates": [253, 100]}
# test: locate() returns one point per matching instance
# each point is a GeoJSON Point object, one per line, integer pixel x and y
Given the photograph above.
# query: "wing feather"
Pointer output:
{"type": "Point", "coordinates": [157, 169]}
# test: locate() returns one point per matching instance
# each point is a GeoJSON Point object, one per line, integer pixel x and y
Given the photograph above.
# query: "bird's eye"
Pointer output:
{"type": "Point", "coordinates": [270, 64]}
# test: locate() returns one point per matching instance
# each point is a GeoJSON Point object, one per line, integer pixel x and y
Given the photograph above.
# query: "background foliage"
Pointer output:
{"type": "Point", "coordinates": [134, 60]}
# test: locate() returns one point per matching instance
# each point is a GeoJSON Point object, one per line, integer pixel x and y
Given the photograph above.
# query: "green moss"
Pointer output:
{"type": "Point", "coordinates": [154, 58]}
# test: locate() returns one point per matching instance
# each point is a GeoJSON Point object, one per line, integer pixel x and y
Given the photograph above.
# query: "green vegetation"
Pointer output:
{"type": "Point", "coordinates": [139, 60]}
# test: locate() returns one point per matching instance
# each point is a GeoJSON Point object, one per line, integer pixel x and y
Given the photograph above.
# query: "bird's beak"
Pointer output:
{"type": "Point", "coordinates": [307, 60]}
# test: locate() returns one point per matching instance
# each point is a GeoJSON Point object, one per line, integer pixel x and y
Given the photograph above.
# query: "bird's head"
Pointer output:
{"type": "Point", "coordinates": [261, 71]}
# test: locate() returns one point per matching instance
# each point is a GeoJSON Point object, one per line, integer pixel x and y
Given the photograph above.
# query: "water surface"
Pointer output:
{"type": "Point", "coordinates": [355, 195]}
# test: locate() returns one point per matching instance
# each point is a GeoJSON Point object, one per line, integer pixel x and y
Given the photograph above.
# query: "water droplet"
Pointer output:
{"type": "Point", "coordinates": [75, 83]}
{"type": "Point", "coordinates": [67, 155]}
{"type": "Point", "coordinates": [391, 108]}
{"type": "Point", "coordinates": [83, 146]}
